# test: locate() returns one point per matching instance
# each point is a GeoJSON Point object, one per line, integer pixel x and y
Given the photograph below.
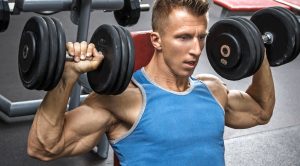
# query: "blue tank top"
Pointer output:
{"type": "Point", "coordinates": [173, 128]}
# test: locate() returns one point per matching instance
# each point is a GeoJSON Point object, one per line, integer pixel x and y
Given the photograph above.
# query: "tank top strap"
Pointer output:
{"type": "Point", "coordinates": [139, 77]}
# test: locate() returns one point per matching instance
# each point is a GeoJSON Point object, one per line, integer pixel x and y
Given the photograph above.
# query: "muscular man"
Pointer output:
{"type": "Point", "coordinates": [165, 116]}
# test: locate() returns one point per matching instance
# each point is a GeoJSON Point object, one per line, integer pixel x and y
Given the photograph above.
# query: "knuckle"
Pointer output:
{"type": "Point", "coordinates": [83, 44]}
{"type": "Point", "coordinates": [92, 45]}
{"type": "Point", "coordinates": [69, 44]}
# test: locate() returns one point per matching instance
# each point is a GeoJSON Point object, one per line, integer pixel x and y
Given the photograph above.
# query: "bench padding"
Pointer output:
{"type": "Point", "coordinates": [248, 5]}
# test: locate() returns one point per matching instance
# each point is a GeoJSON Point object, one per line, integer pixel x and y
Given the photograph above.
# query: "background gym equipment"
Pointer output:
{"type": "Point", "coordinates": [129, 14]}
{"type": "Point", "coordinates": [42, 55]}
{"type": "Point", "coordinates": [235, 45]}
{"type": "Point", "coordinates": [126, 12]}
{"type": "Point", "coordinates": [4, 15]}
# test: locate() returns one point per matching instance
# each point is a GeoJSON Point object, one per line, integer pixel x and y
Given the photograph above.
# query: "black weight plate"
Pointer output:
{"type": "Point", "coordinates": [1, 14]}
{"type": "Point", "coordinates": [61, 55]}
{"type": "Point", "coordinates": [253, 44]}
{"type": "Point", "coordinates": [131, 59]}
{"type": "Point", "coordinates": [123, 63]}
{"type": "Point", "coordinates": [28, 52]}
{"type": "Point", "coordinates": [51, 72]}
{"type": "Point", "coordinates": [296, 26]}
{"type": "Point", "coordinates": [127, 19]}
{"type": "Point", "coordinates": [4, 15]}
{"type": "Point", "coordinates": [106, 40]}
{"type": "Point", "coordinates": [129, 14]}
{"type": "Point", "coordinates": [272, 21]}
{"type": "Point", "coordinates": [231, 33]}
{"type": "Point", "coordinates": [34, 77]}
{"type": "Point", "coordinates": [229, 49]}
{"type": "Point", "coordinates": [111, 88]}
{"type": "Point", "coordinates": [255, 33]}
{"type": "Point", "coordinates": [259, 41]}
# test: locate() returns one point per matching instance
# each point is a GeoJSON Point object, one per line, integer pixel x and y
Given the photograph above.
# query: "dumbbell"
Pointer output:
{"type": "Point", "coordinates": [235, 45]}
{"type": "Point", "coordinates": [42, 55]}
{"type": "Point", "coordinates": [4, 15]}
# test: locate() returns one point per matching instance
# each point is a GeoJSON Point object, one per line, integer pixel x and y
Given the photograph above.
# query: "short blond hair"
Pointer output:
{"type": "Point", "coordinates": [163, 8]}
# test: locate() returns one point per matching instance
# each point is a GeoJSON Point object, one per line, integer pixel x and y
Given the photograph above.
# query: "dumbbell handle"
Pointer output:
{"type": "Point", "coordinates": [145, 7]}
{"type": "Point", "coordinates": [69, 57]}
{"type": "Point", "coordinates": [268, 38]}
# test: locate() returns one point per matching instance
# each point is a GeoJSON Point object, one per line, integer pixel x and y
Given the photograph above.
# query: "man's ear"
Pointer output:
{"type": "Point", "coordinates": [156, 40]}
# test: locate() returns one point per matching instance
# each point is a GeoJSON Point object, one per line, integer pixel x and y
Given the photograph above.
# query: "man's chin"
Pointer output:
{"type": "Point", "coordinates": [187, 73]}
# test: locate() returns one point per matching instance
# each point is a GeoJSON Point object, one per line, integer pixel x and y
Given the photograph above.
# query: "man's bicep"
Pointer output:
{"type": "Point", "coordinates": [242, 111]}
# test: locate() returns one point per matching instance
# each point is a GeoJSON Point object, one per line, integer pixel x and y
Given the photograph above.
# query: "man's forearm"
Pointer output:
{"type": "Point", "coordinates": [55, 102]}
{"type": "Point", "coordinates": [47, 128]}
{"type": "Point", "coordinates": [262, 89]}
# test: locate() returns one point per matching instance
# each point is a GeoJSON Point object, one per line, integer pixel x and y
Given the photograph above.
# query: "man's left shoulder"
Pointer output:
{"type": "Point", "coordinates": [216, 86]}
{"type": "Point", "coordinates": [214, 83]}
{"type": "Point", "coordinates": [209, 78]}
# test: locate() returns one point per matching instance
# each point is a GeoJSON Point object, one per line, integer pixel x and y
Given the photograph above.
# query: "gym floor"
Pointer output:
{"type": "Point", "coordinates": [276, 143]}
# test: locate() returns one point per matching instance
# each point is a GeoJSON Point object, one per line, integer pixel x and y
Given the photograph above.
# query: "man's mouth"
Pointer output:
{"type": "Point", "coordinates": [191, 63]}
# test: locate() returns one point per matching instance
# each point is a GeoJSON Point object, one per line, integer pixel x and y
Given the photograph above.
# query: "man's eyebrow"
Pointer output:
{"type": "Point", "coordinates": [203, 34]}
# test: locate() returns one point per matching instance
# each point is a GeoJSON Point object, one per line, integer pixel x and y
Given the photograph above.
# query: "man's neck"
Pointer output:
{"type": "Point", "coordinates": [162, 75]}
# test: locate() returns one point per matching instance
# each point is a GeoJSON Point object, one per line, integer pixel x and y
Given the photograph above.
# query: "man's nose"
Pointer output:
{"type": "Point", "coordinates": [196, 47]}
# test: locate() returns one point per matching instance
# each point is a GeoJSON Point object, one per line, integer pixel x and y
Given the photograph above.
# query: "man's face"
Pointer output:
{"type": "Point", "coordinates": [182, 41]}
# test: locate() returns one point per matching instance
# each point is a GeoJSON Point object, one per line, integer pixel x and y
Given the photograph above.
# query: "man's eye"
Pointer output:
{"type": "Point", "coordinates": [184, 37]}
{"type": "Point", "coordinates": [202, 37]}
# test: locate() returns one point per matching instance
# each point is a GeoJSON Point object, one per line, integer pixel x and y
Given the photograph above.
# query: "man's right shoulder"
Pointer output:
{"type": "Point", "coordinates": [116, 104]}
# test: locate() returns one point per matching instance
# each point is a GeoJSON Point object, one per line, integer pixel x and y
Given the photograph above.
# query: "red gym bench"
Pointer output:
{"type": "Point", "coordinates": [143, 48]}
{"type": "Point", "coordinates": [247, 7]}
{"type": "Point", "coordinates": [295, 4]}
